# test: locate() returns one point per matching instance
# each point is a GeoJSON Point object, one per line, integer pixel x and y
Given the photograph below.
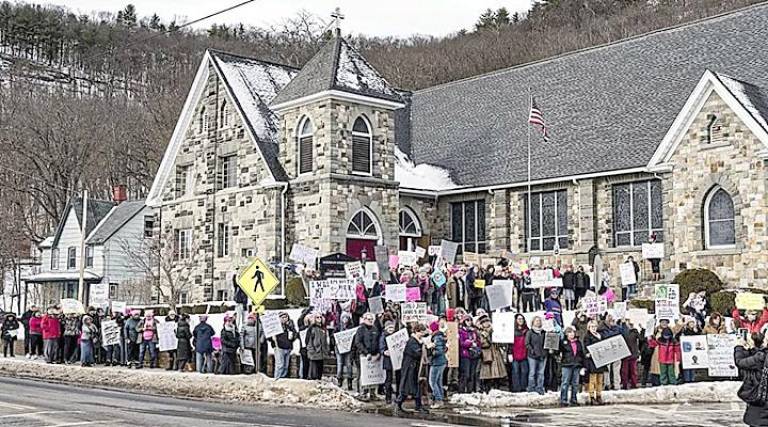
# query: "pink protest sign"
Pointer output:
{"type": "Point", "coordinates": [394, 261]}
{"type": "Point", "coordinates": [412, 294]}
{"type": "Point", "coordinates": [216, 342]}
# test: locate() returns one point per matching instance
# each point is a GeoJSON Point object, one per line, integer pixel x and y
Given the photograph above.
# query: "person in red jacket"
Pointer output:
{"type": "Point", "coordinates": [667, 339]}
{"type": "Point", "coordinates": [36, 335]}
{"type": "Point", "coordinates": [518, 357]}
{"type": "Point", "coordinates": [753, 320]}
{"type": "Point", "coordinates": [51, 328]}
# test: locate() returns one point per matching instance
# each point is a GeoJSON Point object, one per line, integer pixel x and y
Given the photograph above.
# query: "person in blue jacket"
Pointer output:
{"type": "Point", "coordinates": [201, 340]}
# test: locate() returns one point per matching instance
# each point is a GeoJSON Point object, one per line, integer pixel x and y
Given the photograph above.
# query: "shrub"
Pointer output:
{"type": "Point", "coordinates": [722, 302]}
{"type": "Point", "coordinates": [647, 304]}
{"type": "Point", "coordinates": [294, 292]}
{"type": "Point", "coordinates": [697, 280]}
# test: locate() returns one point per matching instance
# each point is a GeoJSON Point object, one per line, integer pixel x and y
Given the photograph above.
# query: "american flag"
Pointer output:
{"type": "Point", "coordinates": [536, 117]}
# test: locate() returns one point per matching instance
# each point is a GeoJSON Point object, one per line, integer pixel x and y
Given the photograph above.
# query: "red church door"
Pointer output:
{"type": "Point", "coordinates": [355, 248]}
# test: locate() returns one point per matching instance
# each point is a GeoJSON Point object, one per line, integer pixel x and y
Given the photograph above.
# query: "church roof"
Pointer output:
{"type": "Point", "coordinates": [606, 108]}
{"type": "Point", "coordinates": [337, 66]}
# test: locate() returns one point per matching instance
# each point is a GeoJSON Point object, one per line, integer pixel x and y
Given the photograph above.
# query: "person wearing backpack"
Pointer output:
{"type": "Point", "coordinates": [751, 361]}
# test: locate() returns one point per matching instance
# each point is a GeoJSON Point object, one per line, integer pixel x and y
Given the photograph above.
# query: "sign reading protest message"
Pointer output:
{"type": "Point", "coordinates": [620, 310]}
{"type": "Point", "coordinates": [667, 301]}
{"type": "Point", "coordinates": [420, 252]}
{"type": "Point", "coordinates": [627, 271]}
{"type": "Point", "coordinates": [750, 301]}
{"type": "Point", "coordinates": [452, 335]}
{"type": "Point", "coordinates": [375, 305]}
{"type": "Point", "coordinates": [653, 250]}
{"type": "Point", "coordinates": [433, 250]}
{"type": "Point", "coordinates": [608, 351]}
{"type": "Point", "coordinates": [500, 294]}
{"type": "Point", "coordinates": [166, 336]}
{"type": "Point", "coordinates": [382, 260]}
{"type": "Point", "coordinates": [110, 333]}
{"type": "Point", "coordinates": [413, 311]}
{"type": "Point", "coordinates": [638, 317]}
{"type": "Point", "coordinates": [412, 294]}
{"type": "Point", "coordinates": [98, 295]}
{"type": "Point", "coordinates": [396, 293]}
{"type": "Point", "coordinates": [270, 322]}
{"type": "Point", "coordinates": [246, 357]}
{"type": "Point", "coordinates": [541, 278]}
{"type": "Point", "coordinates": [344, 340]}
{"type": "Point", "coordinates": [720, 354]}
{"type": "Point", "coordinates": [305, 254]}
{"type": "Point", "coordinates": [371, 371]}
{"type": "Point", "coordinates": [408, 258]}
{"type": "Point", "coordinates": [71, 306]}
{"type": "Point", "coordinates": [694, 351]}
{"type": "Point", "coordinates": [448, 251]}
{"type": "Point", "coordinates": [339, 289]}
{"type": "Point", "coordinates": [504, 328]}
{"type": "Point", "coordinates": [396, 345]}
{"type": "Point", "coordinates": [353, 270]}
{"type": "Point", "coordinates": [552, 341]}
{"type": "Point", "coordinates": [118, 307]}
{"type": "Point", "coordinates": [470, 258]}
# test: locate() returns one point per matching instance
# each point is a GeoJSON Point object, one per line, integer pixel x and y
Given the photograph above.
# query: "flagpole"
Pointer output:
{"type": "Point", "coordinates": [530, 207]}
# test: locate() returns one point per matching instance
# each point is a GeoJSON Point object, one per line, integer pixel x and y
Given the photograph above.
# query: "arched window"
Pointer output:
{"type": "Point", "coordinates": [202, 121]}
{"type": "Point", "coordinates": [410, 230]}
{"type": "Point", "coordinates": [362, 226]}
{"type": "Point", "coordinates": [305, 142]}
{"type": "Point", "coordinates": [362, 145]}
{"type": "Point", "coordinates": [719, 219]}
{"type": "Point", "coordinates": [714, 130]}
{"type": "Point", "coordinates": [224, 114]}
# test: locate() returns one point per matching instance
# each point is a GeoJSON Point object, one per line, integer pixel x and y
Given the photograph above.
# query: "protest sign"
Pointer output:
{"type": "Point", "coordinates": [540, 278]}
{"type": "Point", "coordinates": [353, 270]}
{"type": "Point", "coordinates": [750, 301]}
{"type": "Point", "coordinates": [413, 311]}
{"type": "Point", "coordinates": [71, 306]}
{"type": "Point", "coordinates": [720, 355]}
{"type": "Point", "coordinates": [535, 262]}
{"type": "Point", "coordinates": [408, 258]}
{"type": "Point", "coordinates": [608, 351]}
{"type": "Point", "coordinates": [382, 260]}
{"type": "Point", "coordinates": [653, 250]}
{"type": "Point", "coordinates": [470, 258]}
{"type": "Point", "coordinates": [339, 289]}
{"type": "Point", "coordinates": [394, 261]}
{"type": "Point", "coordinates": [166, 336]}
{"type": "Point", "coordinates": [344, 340]}
{"type": "Point", "coordinates": [375, 305]}
{"type": "Point", "coordinates": [556, 282]}
{"type": "Point", "coordinates": [372, 270]}
{"type": "Point", "coordinates": [433, 250]}
{"type": "Point", "coordinates": [620, 310]}
{"type": "Point", "coordinates": [479, 283]}
{"type": "Point", "coordinates": [452, 336]}
{"type": "Point", "coordinates": [246, 357]}
{"type": "Point", "coordinates": [448, 251]}
{"type": "Point", "coordinates": [627, 271]}
{"type": "Point", "coordinates": [504, 328]}
{"type": "Point", "coordinates": [592, 306]}
{"type": "Point", "coordinates": [548, 325]}
{"type": "Point", "coordinates": [667, 301]}
{"type": "Point", "coordinates": [371, 371]}
{"type": "Point", "coordinates": [638, 317]}
{"type": "Point", "coordinates": [110, 333]}
{"type": "Point", "coordinates": [420, 252]}
{"type": "Point", "coordinates": [500, 294]}
{"type": "Point", "coordinates": [438, 277]}
{"type": "Point", "coordinates": [118, 307]}
{"type": "Point", "coordinates": [552, 341]}
{"type": "Point", "coordinates": [396, 345]}
{"type": "Point", "coordinates": [695, 351]}
{"type": "Point", "coordinates": [412, 294]}
{"type": "Point", "coordinates": [650, 326]}
{"type": "Point", "coordinates": [98, 295]}
{"type": "Point", "coordinates": [396, 293]}
{"type": "Point", "coordinates": [305, 254]}
{"type": "Point", "coordinates": [270, 322]}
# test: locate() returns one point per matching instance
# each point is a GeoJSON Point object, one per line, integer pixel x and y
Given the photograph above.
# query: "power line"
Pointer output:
{"type": "Point", "coordinates": [35, 177]}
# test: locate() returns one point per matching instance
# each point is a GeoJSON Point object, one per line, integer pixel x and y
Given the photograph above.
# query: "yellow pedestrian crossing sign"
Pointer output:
{"type": "Point", "coordinates": [257, 281]}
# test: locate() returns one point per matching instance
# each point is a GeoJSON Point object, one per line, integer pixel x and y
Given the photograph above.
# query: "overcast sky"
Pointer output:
{"type": "Point", "coordinates": [370, 17]}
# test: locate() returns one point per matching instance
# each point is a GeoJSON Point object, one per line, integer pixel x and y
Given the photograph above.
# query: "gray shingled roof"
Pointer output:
{"type": "Point", "coordinates": [255, 84]}
{"type": "Point", "coordinates": [97, 210]}
{"type": "Point", "coordinates": [337, 66]}
{"type": "Point", "coordinates": [607, 108]}
{"type": "Point", "coordinates": [118, 216]}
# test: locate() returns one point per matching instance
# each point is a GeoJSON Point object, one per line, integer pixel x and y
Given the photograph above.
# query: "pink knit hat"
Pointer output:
{"type": "Point", "coordinates": [434, 326]}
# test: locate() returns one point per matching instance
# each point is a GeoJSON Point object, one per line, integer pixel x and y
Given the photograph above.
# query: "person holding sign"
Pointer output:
{"type": "Point", "coordinates": [655, 262]}
{"type": "Point", "coordinates": [751, 361]}
{"type": "Point", "coordinates": [537, 356]}
{"type": "Point", "coordinates": [666, 339]}
{"type": "Point", "coordinates": [596, 375]}
{"type": "Point", "coordinates": [689, 328]}
{"type": "Point", "coordinates": [389, 329]}
{"type": "Point", "coordinates": [492, 365]}
{"type": "Point", "coordinates": [282, 343]}
{"type": "Point", "coordinates": [230, 341]}
{"type": "Point", "coordinates": [366, 344]}
{"type": "Point", "coordinates": [317, 345]}
{"type": "Point", "coordinates": [10, 330]}
{"type": "Point", "coordinates": [438, 361]}
{"type": "Point", "coordinates": [409, 379]}
{"type": "Point", "coordinates": [753, 320]}
{"type": "Point", "coordinates": [572, 361]}
{"type": "Point", "coordinates": [469, 356]}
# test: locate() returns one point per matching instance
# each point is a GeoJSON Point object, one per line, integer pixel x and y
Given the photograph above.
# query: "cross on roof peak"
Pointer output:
{"type": "Point", "coordinates": [337, 17]}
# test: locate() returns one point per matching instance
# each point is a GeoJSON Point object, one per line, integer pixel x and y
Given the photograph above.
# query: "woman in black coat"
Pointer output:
{"type": "Point", "coordinates": [595, 386]}
{"type": "Point", "coordinates": [230, 341]}
{"type": "Point", "coordinates": [409, 371]}
{"type": "Point", "coordinates": [750, 363]}
{"type": "Point", "coordinates": [184, 347]}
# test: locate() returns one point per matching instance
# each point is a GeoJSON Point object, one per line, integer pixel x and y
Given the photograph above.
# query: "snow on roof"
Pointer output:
{"type": "Point", "coordinates": [355, 73]}
{"type": "Point", "coordinates": [47, 243]}
{"type": "Point", "coordinates": [62, 276]}
{"type": "Point", "coordinates": [422, 176]}
{"type": "Point", "coordinates": [749, 96]}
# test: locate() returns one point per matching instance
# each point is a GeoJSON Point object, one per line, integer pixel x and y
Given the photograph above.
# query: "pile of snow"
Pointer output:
{"type": "Point", "coordinates": [241, 388]}
{"type": "Point", "coordinates": [722, 391]}
{"type": "Point", "coordinates": [422, 176]}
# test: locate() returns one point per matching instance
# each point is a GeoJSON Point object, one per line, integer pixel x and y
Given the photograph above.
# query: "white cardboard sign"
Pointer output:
{"type": "Point", "coordinates": [270, 322]}
{"type": "Point", "coordinates": [500, 294]}
{"type": "Point", "coordinates": [396, 293]}
{"type": "Point", "coordinates": [694, 351]}
{"type": "Point", "coordinates": [166, 335]}
{"type": "Point", "coordinates": [110, 333]}
{"type": "Point", "coordinates": [628, 277]}
{"type": "Point", "coordinates": [344, 340]}
{"type": "Point", "coordinates": [371, 371]}
{"type": "Point", "coordinates": [608, 351]}
{"type": "Point", "coordinates": [504, 328]}
{"type": "Point", "coordinates": [396, 345]}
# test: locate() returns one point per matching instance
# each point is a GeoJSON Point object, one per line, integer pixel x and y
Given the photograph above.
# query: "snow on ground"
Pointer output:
{"type": "Point", "coordinates": [422, 176]}
{"type": "Point", "coordinates": [241, 388]}
{"type": "Point", "coordinates": [721, 391]}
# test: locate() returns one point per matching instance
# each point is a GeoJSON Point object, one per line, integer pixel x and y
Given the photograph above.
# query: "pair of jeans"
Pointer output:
{"type": "Point", "coordinates": [436, 381]}
{"type": "Point", "coordinates": [148, 344]}
{"type": "Point", "coordinates": [688, 376]}
{"type": "Point", "coordinates": [570, 381]}
{"type": "Point", "coordinates": [114, 354]}
{"type": "Point", "coordinates": [204, 362]}
{"type": "Point", "coordinates": [667, 374]}
{"type": "Point", "coordinates": [133, 352]}
{"type": "Point", "coordinates": [51, 349]}
{"type": "Point", "coordinates": [467, 375]}
{"type": "Point", "coordinates": [518, 376]}
{"type": "Point", "coordinates": [536, 374]}
{"type": "Point", "coordinates": [282, 362]}
{"type": "Point", "coordinates": [344, 367]}
{"type": "Point", "coordinates": [86, 352]}
{"type": "Point", "coordinates": [529, 301]}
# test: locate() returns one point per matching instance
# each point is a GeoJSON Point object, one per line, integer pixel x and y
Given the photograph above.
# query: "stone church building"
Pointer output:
{"type": "Point", "coordinates": [662, 134]}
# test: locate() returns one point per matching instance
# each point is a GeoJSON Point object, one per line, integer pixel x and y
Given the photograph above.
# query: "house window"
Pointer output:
{"type": "Point", "coordinates": [184, 181]}
{"type": "Point", "coordinates": [71, 258]}
{"type": "Point", "coordinates": [305, 145]}
{"type": "Point", "coordinates": [223, 240]}
{"type": "Point", "coordinates": [89, 256]}
{"type": "Point", "coordinates": [113, 288]}
{"type": "Point", "coordinates": [362, 147]}
{"type": "Point", "coordinates": [69, 290]}
{"type": "Point", "coordinates": [227, 172]}
{"type": "Point", "coordinates": [54, 259]}
{"type": "Point", "coordinates": [247, 252]}
{"type": "Point", "coordinates": [637, 213]}
{"type": "Point", "coordinates": [222, 295]}
{"type": "Point", "coordinates": [183, 239]}
{"type": "Point", "coordinates": [202, 121]}
{"type": "Point", "coordinates": [183, 297]}
{"type": "Point", "coordinates": [224, 115]}
{"type": "Point", "coordinates": [547, 225]}
{"type": "Point", "coordinates": [149, 225]}
{"type": "Point", "coordinates": [468, 225]}
{"type": "Point", "coordinates": [714, 130]}
{"type": "Point", "coordinates": [410, 230]}
{"type": "Point", "coordinates": [719, 219]}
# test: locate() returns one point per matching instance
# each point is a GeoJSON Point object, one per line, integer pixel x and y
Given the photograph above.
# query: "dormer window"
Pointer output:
{"type": "Point", "coordinates": [305, 142]}
{"type": "Point", "coordinates": [714, 130]}
{"type": "Point", "coordinates": [362, 146]}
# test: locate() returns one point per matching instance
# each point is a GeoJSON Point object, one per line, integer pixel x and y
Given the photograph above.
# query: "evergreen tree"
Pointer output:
{"type": "Point", "coordinates": [127, 16]}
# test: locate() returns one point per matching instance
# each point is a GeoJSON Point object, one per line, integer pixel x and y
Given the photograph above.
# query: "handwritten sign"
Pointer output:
{"type": "Point", "coordinates": [448, 251]}
{"type": "Point", "coordinates": [407, 258]}
{"type": "Point", "coordinates": [500, 294]}
{"type": "Point", "coordinates": [694, 351]}
{"type": "Point", "coordinates": [720, 355]}
{"type": "Point", "coordinates": [339, 289]}
{"type": "Point", "coordinates": [627, 271]}
{"type": "Point", "coordinates": [433, 250]}
{"type": "Point", "coordinates": [479, 283]}
{"type": "Point", "coordinates": [667, 301]}
{"type": "Point", "coordinates": [750, 301]}
{"type": "Point", "coordinates": [270, 322]}
{"type": "Point", "coordinates": [638, 317]}
{"type": "Point", "coordinates": [438, 278]}
{"type": "Point", "coordinates": [71, 306]}
{"type": "Point", "coordinates": [344, 340]}
{"type": "Point", "coordinates": [504, 328]}
{"type": "Point", "coordinates": [540, 278]}
{"type": "Point", "coordinates": [110, 333]}
{"type": "Point", "coordinates": [420, 252]}
{"type": "Point", "coordinates": [166, 335]}
{"type": "Point", "coordinates": [471, 258]}
{"type": "Point", "coordinates": [396, 293]}
{"type": "Point", "coordinates": [653, 250]}
{"type": "Point", "coordinates": [118, 306]}
{"type": "Point", "coordinates": [609, 351]}
{"type": "Point", "coordinates": [620, 310]}
{"type": "Point", "coordinates": [396, 345]}
{"type": "Point", "coordinates": [98, 295]}
{"type": "Point", "coordinates": [412, 294]}
{"type": "Point", "coordinates": [413, 311]}
{"type": "Point", "coordinates": [371, 371]}
{"type": "Point", "coordinates": [375, 305]}
{"type": "Point", "coordinates": [353, 270]}
{"type": "Point", "coordinates": [305, 254]}
{"type": "Point", "coordinates": [551, 341]}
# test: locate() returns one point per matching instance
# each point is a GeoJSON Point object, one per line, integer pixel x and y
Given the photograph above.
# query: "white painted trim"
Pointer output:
{"type": "Point", "coordinates": [708, 83]}
{"type": "Point", "coordinates": [338, 95]}
{"type": "Point", "coordinates": [299, 135]}
{"type": "Point", "coordinates": [707, 201]}
{"type": "Point", "coordinates": [414, 218]}
{"type": "Point", "coordinates": [368, 135]}
{"type": "Point", "coordinates": [374, 219]}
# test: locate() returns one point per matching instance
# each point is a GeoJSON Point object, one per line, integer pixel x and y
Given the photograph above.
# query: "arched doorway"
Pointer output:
{"type": "Point", "coordinates": [363, 234]}
{"type": "Point", "coordinates": [410, 230]}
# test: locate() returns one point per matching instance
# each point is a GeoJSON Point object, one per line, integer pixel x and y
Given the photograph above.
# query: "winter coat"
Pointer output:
{"type": "Point", "coordinates": [366, 341]}
{"type": "Point", "coordinates": [534, 344]}
{"type": "Point", "coordinates": [553, 306]}
{"type": "Point", "coordinates": [51, 327]}
{"type": "Point", "coordinates": [590, 365]}
{"type": "Point", "coordinates": [517, 349]}
{"type": "Point", "coordinates": [581, 280]}
{"type": "Point", "coordinates": [712, 329]}
{"type": "Point", "coordinates": [285, 339]}
{"type": "Point", "coordinates": [36, 326]}
{"type": "Point", "coordinates": [568, 357]}
{"type": "Point", "coordinates": [230, 340]}
{"type": "Point", "coordinates": [439, 351]}
{"type": "Point", "coordinates": [668, 346]}
{"type": "Point", "coordinates": [317, 343]}
{"type": "Point", "coordinates": [9, 324]}
{"type": "Point", "coordinates": [89, 332]}
{"type": "Point", "coordinates": [581, 327]}
{"type": "Point", "coordinates": [147, 329]}
{"type": "Point", "coordinates": [387, 361]}
{"type": "Point", "coordinates": [183, 334]}
{"type": "Point", "coordinates": [632, 337]}
{"type": "Point", "coordinates": [71, 326]}
{"type": "Point", "coordinates": [569, 280]}
{"type": "Point", "coordinates": [131, 334]}
{"type": "Point", "coordinates": [492, 362]}
{"type": "Point", "coordinates": [467, 338]}
{"type": "Point", "coordinates": [750, 364]}
{"type": "Point", "coordinates": [248, 338]}
{"type": "Point", "coordinates": [606, 331]}
{"type": "Point", "coordinates": [201, 338]}
{"type": "Point", "coordinates": [742, 322]}
{"type": "Point", "coordinates": [409, 372]}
